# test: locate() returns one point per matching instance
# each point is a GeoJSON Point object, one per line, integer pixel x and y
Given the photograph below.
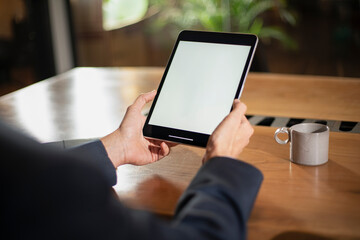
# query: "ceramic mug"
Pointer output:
{"type": "Point", "coordinates": [309, 143]}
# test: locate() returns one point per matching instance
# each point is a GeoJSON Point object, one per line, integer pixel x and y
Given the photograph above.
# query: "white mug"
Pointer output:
{"type": "Point", "coordinates": [309, 143]}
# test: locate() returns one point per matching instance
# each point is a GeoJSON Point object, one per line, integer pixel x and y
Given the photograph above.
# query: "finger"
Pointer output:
{"type": "Point", "coordinates": [154, 142]}
{"type": "Point", "coordinates": [143, 99]}
{"type": "Point", "coordinates": [246, 127]}
{"type": "Point", "coordinates": [244, 118]}
{"type": "Point", "coordinates": [244, 122]}
{"type": "Point", "coordinates": [239, 108]}
{"type": "Point", "coordinates": [158, 142]}
{"type": "Point", "coordinates": [237, 112]}
{"type": "Point", "coordinates": [236, 102]}
{"type": "Point", "coordinates": [233, 120]}
{"type": "Point", "coordinates": [143, 120]}
{"type": "Point", "coordinates": [159, 151]}
{"type": "Point", "coordinates": [171, 144]}
{"type": "Point", "coordinates": [165, 150]}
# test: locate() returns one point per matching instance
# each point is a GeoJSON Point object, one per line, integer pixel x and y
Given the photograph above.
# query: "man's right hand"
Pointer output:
{"type": "Point", "coordinates": [231, 136]}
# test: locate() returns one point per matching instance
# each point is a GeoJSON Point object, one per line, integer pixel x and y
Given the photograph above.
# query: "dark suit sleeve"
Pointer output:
{"type": "Point", "coordinates": [95, 153]}
{"type": "Point", "coordinates": [219, 199]}
{"type": "Point", "coordinates": [49, 194]}
{"type": "Point", "coordinates": [217, 203]}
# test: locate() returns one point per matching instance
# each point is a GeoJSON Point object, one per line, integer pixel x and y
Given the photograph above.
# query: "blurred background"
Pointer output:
{"type": "Point", "coordinates": [43, 38]}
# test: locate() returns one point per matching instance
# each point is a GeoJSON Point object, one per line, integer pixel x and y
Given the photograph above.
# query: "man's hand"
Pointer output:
{"type": "Point", "coordinates": [231, 136]}
{"type": "Point", "coordinates": [127, 145]}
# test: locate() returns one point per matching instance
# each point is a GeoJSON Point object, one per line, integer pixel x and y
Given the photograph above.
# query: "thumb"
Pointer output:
{"type": "Point", "coordinates": [143, 99]}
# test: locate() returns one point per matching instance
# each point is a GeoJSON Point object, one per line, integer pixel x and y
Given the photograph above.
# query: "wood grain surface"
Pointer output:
{"type": "Point", "coordinates": [294, 202]}
{"type": "Point", "coordinates": [300, 96]}
{"type": "Point", "coordinates": [90, 102]}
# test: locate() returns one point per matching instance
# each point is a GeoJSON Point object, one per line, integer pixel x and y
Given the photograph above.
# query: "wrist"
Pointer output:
{"type": "Point", "coordinates": [208, 155]}
{"type": "Point", "coordinates": [114, 148]}
{"type": "Point", "coordinates": [215, 152]}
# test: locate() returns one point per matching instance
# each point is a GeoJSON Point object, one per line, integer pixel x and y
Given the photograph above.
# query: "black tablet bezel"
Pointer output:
{"type": "Point", "coordinates": [187, 137]}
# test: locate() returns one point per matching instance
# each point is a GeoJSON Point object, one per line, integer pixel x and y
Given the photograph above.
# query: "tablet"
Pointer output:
{"type": "Point", "coordinates": [205, 73]}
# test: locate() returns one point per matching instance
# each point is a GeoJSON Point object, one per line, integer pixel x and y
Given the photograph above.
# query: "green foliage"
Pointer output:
{"type": "Point", "coordinates": [245, 16]}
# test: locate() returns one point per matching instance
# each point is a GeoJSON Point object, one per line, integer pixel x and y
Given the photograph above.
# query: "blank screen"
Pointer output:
{"type": "Point", "coordinates": [200, 86]}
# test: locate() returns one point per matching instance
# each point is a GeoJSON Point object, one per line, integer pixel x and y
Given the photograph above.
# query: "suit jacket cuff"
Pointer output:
{"type": "Point", "coordinates": [231, 180]}
{"type": "Point", "coordinates": [95, 153]}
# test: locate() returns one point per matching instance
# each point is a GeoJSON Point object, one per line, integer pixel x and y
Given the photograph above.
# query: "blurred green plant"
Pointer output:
{"type": "Point", "coordinates": [245, 16]}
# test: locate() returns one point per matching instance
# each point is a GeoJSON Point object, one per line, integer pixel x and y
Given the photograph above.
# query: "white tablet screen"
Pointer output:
{"type": "Point", "coordinates": [200, 86]}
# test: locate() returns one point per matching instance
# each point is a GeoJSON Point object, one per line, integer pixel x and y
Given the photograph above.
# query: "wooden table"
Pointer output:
{"type": "Point", "coordinates": [295, 202]}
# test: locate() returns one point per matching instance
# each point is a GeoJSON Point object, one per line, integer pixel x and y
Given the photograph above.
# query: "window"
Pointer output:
{"type": "Point", "coordinates": [119, 13]}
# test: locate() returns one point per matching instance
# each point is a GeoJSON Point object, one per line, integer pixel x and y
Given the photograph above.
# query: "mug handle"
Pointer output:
{"type": "Point", "coordinates": [282, 130]}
